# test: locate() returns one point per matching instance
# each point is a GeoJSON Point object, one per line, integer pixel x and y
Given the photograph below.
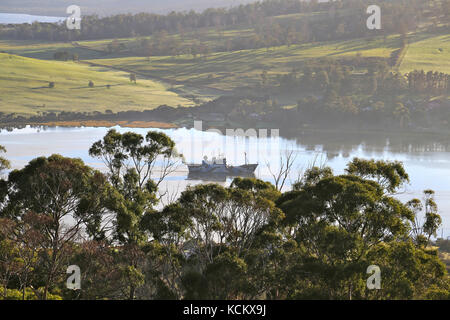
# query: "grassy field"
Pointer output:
{"type": "Point", "coordinates": [24, 88]}
{"type": "Point", "coordinates": [230, 70]}
{"type": "Point", "coordinates": [213, 38]}
{"type": "Point", "coordinates": [428, 52]}
{"type": "Point", "coordinates": [24, 80]}
{"type": "Point", "coordinates": [44, 50]}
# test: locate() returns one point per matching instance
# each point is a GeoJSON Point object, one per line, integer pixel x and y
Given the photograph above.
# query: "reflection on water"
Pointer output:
{"type": "Point", "coordinates": [215, 177]}
{"type": "Point", "coordinates": [426, 157]}
{"type": "Point", "coordinates": [345, 143]}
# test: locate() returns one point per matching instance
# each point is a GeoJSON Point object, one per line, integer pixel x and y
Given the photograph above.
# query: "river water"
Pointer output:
{"type": "Point", "coordinates": [427, 160]}
{"type": "Point", "coordinates": [16, 18]}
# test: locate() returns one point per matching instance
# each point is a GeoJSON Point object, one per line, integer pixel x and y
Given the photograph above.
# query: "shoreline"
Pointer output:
{"type": "Point", "coordinates": [102, 123]}
{"type": "Point", "coordinates": [287, 132]}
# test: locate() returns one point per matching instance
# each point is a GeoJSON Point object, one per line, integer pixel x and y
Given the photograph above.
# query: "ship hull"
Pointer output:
{"type": "Point", "coordinates": [217, 177]}
{"type": "Point", "coordinates": [222, 169]}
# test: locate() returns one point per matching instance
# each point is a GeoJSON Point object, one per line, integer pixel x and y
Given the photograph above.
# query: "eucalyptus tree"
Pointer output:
{"type": "Point", "coordinates": [4, 165]}
{"type": "Point", "coordinates": [390, 175]}
{"type": "Point", "coordinates": [136, 166]}
{"type": "Point", "coordinates": [20, 248]}
{"type": "Point", "coordinates": [218, 230]}
{"type": "Point", "coordinates": [422, 232]}
{"type": "Point", "coordinates": [342, 224]}
{"type": "Point", "coordinates": [66, 196]}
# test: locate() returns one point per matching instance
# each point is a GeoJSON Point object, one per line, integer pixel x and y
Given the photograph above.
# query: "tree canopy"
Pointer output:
{"type": "Point", "coordinates": [247, 240]}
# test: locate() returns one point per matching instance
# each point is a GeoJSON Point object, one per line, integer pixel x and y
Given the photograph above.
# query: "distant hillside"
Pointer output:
{"type": "Point", "coordinates": [25, 88]}
{"type": "Point", "coordinates": [107, 7]}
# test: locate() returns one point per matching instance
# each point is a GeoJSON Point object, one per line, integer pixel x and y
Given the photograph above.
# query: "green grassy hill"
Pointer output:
{"type": "Point", "coordinates": [28, 66]}
{"type": "Point", "coordinates": [230, 70]}
{"type": "Point", "coordinates": [427, 52]}
{"type": "Point", "coordinates": [24, 81]}
{"type": "Point", "coordinates": [24, 88]}
{"type": "Point", "coordinates": [45, 50]}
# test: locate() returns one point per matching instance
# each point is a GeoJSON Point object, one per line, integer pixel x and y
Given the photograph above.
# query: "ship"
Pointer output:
{"type": "Point", "coordinates": [219, 166]}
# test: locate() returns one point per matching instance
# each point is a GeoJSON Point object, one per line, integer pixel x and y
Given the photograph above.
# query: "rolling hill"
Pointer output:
{"type": "Point", "coordinates": [24, 88]}
{"type": "Point", "coordinates": [29, 65]}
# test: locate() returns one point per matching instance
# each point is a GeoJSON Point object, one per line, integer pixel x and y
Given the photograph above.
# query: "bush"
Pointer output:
{"type": "Point", "coordinates": [51, 84]}
{"type": "Point", "coordinates": [91, 84]}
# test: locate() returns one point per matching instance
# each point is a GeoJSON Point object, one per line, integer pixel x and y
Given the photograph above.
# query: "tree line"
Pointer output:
{"type": "Point", "coordinates": [360, 90]}
{"type": "Point", "coordinates": [337, 20]}
{"type": "Point", "coordinates": [437, 82]}
{"type": "Point", "coordinates": [245, 241]}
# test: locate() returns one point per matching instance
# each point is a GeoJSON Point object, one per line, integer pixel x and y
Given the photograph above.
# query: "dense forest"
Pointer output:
{"type": "Point", "coordinates": [245, 241]}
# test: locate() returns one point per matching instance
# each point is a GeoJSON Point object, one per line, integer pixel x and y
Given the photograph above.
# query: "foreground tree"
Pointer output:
{"type": "Point", "coordinates": [133, 171]}
{"type": "Point", "coordinates": [65, 195]}
{"type": "Point", "coordinates": [422, 232]}
{"type": "Point", "coordinates": [245, 241]}
{"type": "Point", "coordinates": [220, 229]}
{"type": "Point", "coordinates": [4, 165]}
{"type": "Point", "coordinates": [340, 224]}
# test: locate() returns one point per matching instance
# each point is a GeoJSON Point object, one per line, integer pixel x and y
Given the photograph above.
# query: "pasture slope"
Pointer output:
{"type": "Point", "coordinates": [24, 88]}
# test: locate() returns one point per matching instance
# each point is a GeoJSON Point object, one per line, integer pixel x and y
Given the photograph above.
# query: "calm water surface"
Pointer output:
{"type": "Point", "coordinates": [15, 18]}
{"type": "Point", "coordinates": [427, 161]}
